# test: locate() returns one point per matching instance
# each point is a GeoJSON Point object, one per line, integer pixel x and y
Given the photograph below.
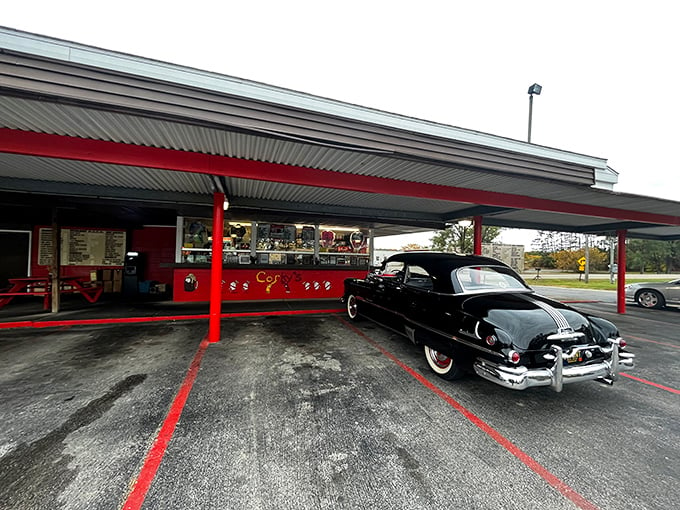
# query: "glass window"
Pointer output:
{"type": "Point", "coordinates": [418, 277]}
{"type": "Point", "coordinates": [393, 269]}
{"type": "Point", "coordinates": [487, 279]}
{"type": "Point", "coordinates": [197, 241]}
{"type": "Point", "coordinates": [276, 243]}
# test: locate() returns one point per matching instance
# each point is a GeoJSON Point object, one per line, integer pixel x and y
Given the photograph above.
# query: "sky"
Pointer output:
{"type": "Point", "coordinates": [608, 68]}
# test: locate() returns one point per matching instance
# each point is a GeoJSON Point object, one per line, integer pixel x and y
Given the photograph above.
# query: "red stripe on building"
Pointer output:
{"type": "Point", "coordinates": [66, 147]}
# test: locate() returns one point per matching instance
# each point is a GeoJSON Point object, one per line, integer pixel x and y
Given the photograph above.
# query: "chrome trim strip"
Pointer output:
{"type": "Point", "coordinates": [557, 369]}
{"type": "Point", "coordinates": [459, 340]}
{"type": "Point", "coordinates": [565, 335]}
{"type": "Point", "coordinates": [427, 328]}
{"type": "Point", "coordinates": [560, 320]}
{"type": "Point", "coordinates": [555, 376]}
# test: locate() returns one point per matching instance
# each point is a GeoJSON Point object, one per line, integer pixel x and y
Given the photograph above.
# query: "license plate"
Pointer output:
{"type": "Point", "coordinates": [576, 357]}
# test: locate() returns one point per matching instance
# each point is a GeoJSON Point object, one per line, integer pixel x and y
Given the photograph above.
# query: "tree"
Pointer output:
{"type": "Point", "coordinates": [656, 256]}
{"type": "Point", "coordinates": [567, 260]}
{"type": "Point", "coordinates": [412, 247]}
{"type": "Point", "coordinates": [538, 259]}
{"type": "Point", "coordinates": [673, 256]}
{"type": "Point", "coordinates": [459, 239]}
{"type": "Point", "coordinates": [551, 242]}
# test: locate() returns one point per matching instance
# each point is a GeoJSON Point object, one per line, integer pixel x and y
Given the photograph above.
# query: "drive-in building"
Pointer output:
{"type": "Point", "coordinates": [121, 170]}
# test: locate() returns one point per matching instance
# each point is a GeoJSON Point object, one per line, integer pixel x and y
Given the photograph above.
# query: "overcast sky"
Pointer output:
{"type": "Point", "coordinates": [611, 87]}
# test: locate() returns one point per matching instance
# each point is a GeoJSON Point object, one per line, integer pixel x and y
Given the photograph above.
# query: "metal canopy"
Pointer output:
{"type": "Point", "coordinates": [87, 127]}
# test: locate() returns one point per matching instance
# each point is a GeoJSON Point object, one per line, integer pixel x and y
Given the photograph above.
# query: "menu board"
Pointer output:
{"type": "Point", "coordinates": [84, 247]}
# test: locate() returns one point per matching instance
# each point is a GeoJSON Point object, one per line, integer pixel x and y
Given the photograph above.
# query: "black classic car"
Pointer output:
{"type": "Point", "coordinates": [473, 313]}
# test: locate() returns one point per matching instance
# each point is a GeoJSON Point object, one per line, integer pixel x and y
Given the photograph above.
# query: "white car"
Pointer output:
{"type": "Point", "coordinates": [654, 294]}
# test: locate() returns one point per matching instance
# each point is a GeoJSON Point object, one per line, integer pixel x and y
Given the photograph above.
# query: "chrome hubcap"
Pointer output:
{"type": "Point", "coordinates": [648, 299]}
{"type": "Point", "coordinates": [352, 307]}
{"type": "Point", "coordinates": [439, 359]}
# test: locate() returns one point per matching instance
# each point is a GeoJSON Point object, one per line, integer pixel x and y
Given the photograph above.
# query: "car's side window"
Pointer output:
{"type": "Point", "coordinates": [393, 269]}
{"type": "Point", "coordinates": [418, 277]}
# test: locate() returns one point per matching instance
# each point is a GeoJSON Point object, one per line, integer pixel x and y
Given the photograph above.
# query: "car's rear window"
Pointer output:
{"type": "Point", "coordinates": [486, 278]}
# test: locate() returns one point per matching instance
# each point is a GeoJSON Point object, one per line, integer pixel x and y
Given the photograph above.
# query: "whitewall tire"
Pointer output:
{"type": "Point", "coordinates": [352, 307]}
{"type": "Point", "coordinates": [442, 365]}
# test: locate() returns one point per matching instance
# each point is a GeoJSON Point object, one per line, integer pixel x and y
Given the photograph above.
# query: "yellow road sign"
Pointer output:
{"type": "Point", "coordinates": [581, 261]}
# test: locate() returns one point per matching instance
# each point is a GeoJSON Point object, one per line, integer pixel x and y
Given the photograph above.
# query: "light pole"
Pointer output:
{"type": "Point", "coordinates": [534, 89]}
{"type": "Point", "coordinates": [464, 225]}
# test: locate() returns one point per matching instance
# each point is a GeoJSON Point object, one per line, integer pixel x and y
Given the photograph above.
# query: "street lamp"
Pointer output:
{"type": "Point", "coordinates": [534, 89]}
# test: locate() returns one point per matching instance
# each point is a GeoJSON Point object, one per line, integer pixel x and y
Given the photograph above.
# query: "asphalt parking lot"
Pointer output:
{"type": "Point", "coordinates": [308, 411]}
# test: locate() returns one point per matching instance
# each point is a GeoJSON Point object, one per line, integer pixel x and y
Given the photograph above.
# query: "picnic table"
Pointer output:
{"type": "Point", "coordinates": [42, 286]}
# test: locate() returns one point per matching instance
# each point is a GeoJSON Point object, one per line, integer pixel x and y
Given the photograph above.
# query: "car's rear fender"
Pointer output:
{"type": "Point", "coordinates": [464, 351]}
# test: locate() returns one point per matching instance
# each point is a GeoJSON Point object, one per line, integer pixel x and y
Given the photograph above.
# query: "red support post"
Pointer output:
{"type": "Point", "coordinates": [216, 268]}
{"type": "Point", "coordinates": [477, 250]}
{"type": "Point", "coordinates": [621, 276]}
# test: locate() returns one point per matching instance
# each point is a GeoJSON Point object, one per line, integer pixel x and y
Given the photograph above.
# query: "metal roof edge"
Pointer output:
{"type": "Point", "coordinates": [605, 178]}
{"type": "Point", "coordinates": [76, 53]}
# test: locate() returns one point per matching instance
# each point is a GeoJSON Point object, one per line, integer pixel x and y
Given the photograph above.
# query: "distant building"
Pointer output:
{"type": "Point", "coordinates": [380, 255]}
{"type": "Point", "coordinates": [511, 254]}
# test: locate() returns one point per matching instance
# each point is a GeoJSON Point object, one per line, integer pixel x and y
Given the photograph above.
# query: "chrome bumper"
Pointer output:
{"type": "Point", "coordinates": [520, 378]}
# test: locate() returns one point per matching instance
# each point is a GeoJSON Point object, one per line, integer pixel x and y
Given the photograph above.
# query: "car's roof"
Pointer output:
{"type": "Point", "coordinates": [440, 264]}
{"type": "Point", "coordinates": [444, 259]}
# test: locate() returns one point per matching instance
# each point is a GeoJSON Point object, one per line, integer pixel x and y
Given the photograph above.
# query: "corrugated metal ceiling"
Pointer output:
{"type": "Point", "coordinates": [501, 170]}
{"type": "Point", "coordinates": [69, 120]}
{"type": "Point", "coordinates": [98, 174]}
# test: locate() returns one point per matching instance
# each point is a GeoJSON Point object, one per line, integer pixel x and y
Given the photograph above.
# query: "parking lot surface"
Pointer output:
{"type": "Point", "coordinates": [309, 411]}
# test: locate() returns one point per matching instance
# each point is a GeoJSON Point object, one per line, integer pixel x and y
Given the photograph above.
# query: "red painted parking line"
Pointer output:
{"type": "Point", "coordinates": [86, 322]}
{"type": "Point", "coordinates": [165, 318]}
{"type": "Point", "coordinates": [153, 459]}
{"type": "Point", "coordinates": [18, 324]}
{"type": "Point", "coordinates": [645, 381]}
{"type": "Point", "coordinates": [653, 341]}
{"type": "Point", "coordinates": [525, 458]}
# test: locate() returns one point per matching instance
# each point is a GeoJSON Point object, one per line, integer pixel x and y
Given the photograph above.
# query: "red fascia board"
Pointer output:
{"type": "Point", "coordinates": [81, 149]}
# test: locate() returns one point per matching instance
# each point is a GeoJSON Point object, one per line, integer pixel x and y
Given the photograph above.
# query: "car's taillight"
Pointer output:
{"type": "Point", "coordinates": [491, 340]}
{"type": "Point", "coordinates": [622, 343]}
{"type": "Point", "coordinates": [513, 357]}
